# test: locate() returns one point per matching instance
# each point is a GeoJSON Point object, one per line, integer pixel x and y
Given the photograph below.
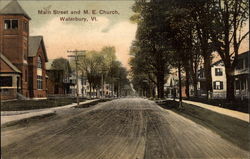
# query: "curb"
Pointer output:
{"type": "Point", "coordinates": [26, 115]}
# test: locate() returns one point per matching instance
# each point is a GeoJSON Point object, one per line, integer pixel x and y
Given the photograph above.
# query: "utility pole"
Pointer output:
{"type": "Point", "coordinates": [102, 85]}
{"type": "Point", "coordinates": [76, 56]}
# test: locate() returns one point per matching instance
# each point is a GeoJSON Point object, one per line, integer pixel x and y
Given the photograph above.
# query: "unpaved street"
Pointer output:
{"type": "Point", "coordinates": [130, 128]}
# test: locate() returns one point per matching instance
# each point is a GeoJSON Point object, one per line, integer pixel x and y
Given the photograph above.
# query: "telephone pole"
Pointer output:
{"type": "Point", "coordinates": [76, 56]}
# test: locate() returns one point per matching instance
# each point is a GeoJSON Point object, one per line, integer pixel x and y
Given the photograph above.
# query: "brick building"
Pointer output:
{"type": "Point", "coordinates": [23, 57]}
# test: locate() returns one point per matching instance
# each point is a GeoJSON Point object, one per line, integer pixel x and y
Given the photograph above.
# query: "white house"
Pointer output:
{"type": "Point", "coordinates": [241, 76]}
{"type": "Point", "coordinates": [84, 88]}
{"type": "Point", "coordinates": [219, 81]}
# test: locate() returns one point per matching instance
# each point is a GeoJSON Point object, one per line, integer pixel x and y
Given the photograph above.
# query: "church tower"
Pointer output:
{"type": "Point", "coordinates": [14, 39]}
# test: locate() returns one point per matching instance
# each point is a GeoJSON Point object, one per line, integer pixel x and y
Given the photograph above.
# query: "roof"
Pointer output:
{"type": "Point", "coordinates": [9, 63]}
{"type": "Point", "coordinates": [14, 8]}
{"type": "Point", "coordinates": [34, 44]}
{"type": "Point", "coordinates": [241, 55]}
{"type": "Point", "coordinates": [244, 54]}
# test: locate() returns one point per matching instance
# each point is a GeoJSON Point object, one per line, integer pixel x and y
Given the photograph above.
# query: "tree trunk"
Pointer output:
{"type": "Point", "coordinates": [153, 91]}
{"type": "Point", "coordinates": [160, 83]}
{"type": "Point", "coordinates": [180, 92]}
{"type": "Point", "coordinates": [187, 82]}
{"type": "Point", "coordinates": [208, 76]}
{"type": "Point", "coordinates": [230, 84]}
{"type": "Point", "coordinates": [90, 90]}
{"type": "Point", "coordinates": [195, 88]}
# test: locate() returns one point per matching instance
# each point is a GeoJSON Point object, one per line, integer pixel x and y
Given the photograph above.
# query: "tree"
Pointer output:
{"type": "Point", "coordinates": [91, 63]}
{"type": "Point", "coordinates": [102, 66]}
{"type": "Point", "coordinates": [229, 18]}
{"type": "Point", "coordinates": [61, 64]}
{"type": "Point", "coordinates": [202, 20]}
{"type": "Point", "coordinates": [151, 39]}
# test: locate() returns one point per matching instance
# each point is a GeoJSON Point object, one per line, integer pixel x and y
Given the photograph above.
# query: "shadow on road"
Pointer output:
{"type": "Point", "coordinates": [234, 130]}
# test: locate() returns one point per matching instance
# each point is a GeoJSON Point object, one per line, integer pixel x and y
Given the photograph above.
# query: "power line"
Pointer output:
{"type": "Point", "coordinates": [76, 56]}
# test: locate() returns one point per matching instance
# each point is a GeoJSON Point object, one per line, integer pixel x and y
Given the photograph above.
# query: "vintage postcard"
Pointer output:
{"type": "Point", "coordinates": [124, 79]}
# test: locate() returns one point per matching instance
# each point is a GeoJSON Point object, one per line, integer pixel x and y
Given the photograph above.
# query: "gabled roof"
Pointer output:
{"type": "Point", "coordinates": [34, 43]}
{"type": "Point", "coordinates": [9, 63]}
{"type": "Point", "coordinates": [14, 8]}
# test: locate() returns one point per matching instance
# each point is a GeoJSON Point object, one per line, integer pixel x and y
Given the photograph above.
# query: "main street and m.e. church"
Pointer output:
{"type": "Point", "coordinates": [136, 80]}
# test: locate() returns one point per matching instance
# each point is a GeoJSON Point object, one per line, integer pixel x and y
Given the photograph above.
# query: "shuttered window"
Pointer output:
{"type": "Point", "coordinates": [218, 85]}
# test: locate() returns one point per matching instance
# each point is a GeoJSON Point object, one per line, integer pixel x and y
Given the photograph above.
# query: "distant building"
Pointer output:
{"type": "Point", "coordinates": [84, 88]}
{"type": "Point", "coordinates": [23, 57]}
{"type": "Point", "coordinates": [171, 86]}
{"type": "Point", "coordinates": [58, 83]}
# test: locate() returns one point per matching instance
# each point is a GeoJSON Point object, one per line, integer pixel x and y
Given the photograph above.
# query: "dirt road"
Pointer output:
{"type": "Point", "coordinates": [130, 128]}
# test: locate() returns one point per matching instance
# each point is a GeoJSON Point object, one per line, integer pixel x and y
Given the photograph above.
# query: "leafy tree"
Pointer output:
{"type": "Point", "coordinates": [91, 64]}
{"type": "Point", "coordinates": [151, 39]}
{"type": "Point", "coordinates": [202, 21]}
{"type": "Point", "coordinates": [229, 18]}
{"type": "Point", "coordinates": [61, 64]}
{"type": "Point", "coordinates": [102, 65]}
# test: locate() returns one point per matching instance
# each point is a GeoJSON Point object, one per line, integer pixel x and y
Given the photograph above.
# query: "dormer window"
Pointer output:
{"type": "Point", "coordinates": [10, 24]}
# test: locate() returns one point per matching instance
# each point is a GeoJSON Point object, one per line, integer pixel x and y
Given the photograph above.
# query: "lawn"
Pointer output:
{"type": "Point", "coordinates": [18, 105]}
{"type": "Point", "coordinates": [238, 105]}
{"type": "Point", "coordinates": [232, 129]}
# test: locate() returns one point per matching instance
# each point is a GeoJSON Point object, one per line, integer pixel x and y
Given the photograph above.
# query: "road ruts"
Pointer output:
{"type": "Point", "coordinates": [129, 128]}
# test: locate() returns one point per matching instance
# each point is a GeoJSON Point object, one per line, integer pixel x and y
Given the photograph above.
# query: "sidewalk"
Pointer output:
{"type": "Point", "coordinates": [228, 112]}
{"type": "Point", "coordinates": [10, 116]}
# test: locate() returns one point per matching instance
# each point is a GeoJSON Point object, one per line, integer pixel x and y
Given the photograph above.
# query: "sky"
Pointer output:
{"type": "Point", "coordinates": [109, 30]}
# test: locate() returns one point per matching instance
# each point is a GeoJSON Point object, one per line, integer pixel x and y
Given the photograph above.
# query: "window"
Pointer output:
{"type": "Point", "coordinates": [218, 85]}
{"type": "Point", "coordinates": [39, 82]}
{"type": "Point", "coordinates": [10, 24]}
{"type": "Point", "coordinates": [218, 72]}
{"type": "Point", "coordinates": [25, 26]}
{"type": "Point", "coordinates": [5, 81]}
{"type": "Point", "coordinates": [7, 24]}
{"type": "Point", "coordinates": [14, 24]}
{"type": "Point", "coordinates": [39, 62]}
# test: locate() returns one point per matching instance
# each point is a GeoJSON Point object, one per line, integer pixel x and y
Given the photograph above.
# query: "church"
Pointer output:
{"type": "Point", "coordinates": [22, 57]}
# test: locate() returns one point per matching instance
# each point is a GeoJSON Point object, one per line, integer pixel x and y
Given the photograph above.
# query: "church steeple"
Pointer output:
{"type": "Point", "coordinates": [14, 8]}
{"type": "Point", "coordinates": [14, 39]}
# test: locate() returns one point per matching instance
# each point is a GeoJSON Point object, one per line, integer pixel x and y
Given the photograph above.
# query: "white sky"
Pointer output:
{"type": "Point", "coordinates": [109, 30]}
